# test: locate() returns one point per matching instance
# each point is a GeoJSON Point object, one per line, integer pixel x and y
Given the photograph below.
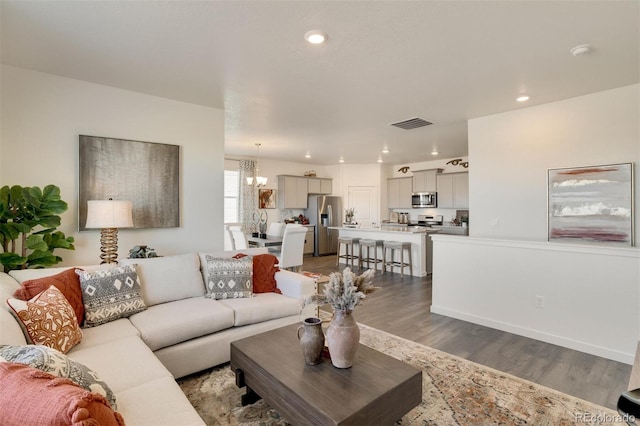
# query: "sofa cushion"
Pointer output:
{"type": "Point", "coordinates": [105, 333]}
{"type": "Point", "coordinates": [48, 319]}
{"type": "Point", "coordinates": [66, 281]}
{"type": "Point", "coordinates": [110, 294]}
{"type": "Point", "coordinates": [55, 362]}
{"type": "Point", "coordinates": [229, 278]}
{"type": "Point", "coordinates": [170, 323]}
{"type": "Point", "coordinates": [33, 397]}
{"type": "Point", "coordinates": [123, 363]}
{"type": "Point", "coordinates": [160, 402]}
{"type": "Point", "coordinates": [22, 275]}
{"type": "Point", "coordinates": [169, 278]}
{"type": "Point", "coordinates": [262, 307]}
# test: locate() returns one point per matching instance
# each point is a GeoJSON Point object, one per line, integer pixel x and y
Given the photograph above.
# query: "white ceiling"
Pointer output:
{"type": "Point", "coordinates": [385, 61]}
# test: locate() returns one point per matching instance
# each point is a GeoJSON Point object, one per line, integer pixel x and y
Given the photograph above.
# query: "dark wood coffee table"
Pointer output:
{"type": "Point", "coordinates": [378, 389]}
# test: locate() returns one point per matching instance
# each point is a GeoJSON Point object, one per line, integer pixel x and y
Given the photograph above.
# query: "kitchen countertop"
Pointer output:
{"type": "Point", "coordinates": [398, 229]}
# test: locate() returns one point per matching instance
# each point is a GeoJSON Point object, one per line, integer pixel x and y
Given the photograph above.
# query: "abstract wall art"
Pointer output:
{"type": "Point", "coordinates": [267, 198]}
{"type": "Point", "coordinates": [145, 173]}
{"type": "Point", "coordinates": [591, 205]}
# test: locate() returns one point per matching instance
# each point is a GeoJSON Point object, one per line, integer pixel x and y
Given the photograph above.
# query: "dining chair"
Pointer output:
{"type": "Point", "coordinates": [276, 229]}
{"type": "Point", "coordinates": [292, 250]}
{"type": "Point", "coordinates": [229, 237]}
{"type": "Point", "coordinates": [238, 238]}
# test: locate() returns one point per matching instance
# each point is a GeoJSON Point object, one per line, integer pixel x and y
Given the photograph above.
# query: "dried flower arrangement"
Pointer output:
{"type": "Point", "coordinates": [344, 291]}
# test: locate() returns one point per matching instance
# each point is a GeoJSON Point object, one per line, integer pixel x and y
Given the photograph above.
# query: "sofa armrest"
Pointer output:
{"type": "Point", "coordinates": [295, 285]}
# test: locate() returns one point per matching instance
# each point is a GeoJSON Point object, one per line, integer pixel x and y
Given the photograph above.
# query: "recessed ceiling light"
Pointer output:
{"type": "Point", "coordinates": [434, 152]}
{"type": "Point", "coordinates": [582, 49]}
{"type": "Point", "coordinates": [379, 159]}
{"type": "Point", "coordinates": [523, 98]}
{"type": "Point", "coordinates": [316, 36]}
{"type": "Point", "coordinates": [385, 150]}
{"type": "Point", "coordinates": [307, 155]}
{"type": "Point", "coordinates": [341, 160]}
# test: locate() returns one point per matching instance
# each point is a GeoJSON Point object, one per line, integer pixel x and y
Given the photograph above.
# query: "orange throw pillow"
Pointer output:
{"type": "Point", "coordinates": [67, 282]}
{"type": "Point", "coordinates": [264, 274]}
{"type": "Point", "coordinates": [48, 320]}
{"type": "Point", "coordinates": [33, 397]}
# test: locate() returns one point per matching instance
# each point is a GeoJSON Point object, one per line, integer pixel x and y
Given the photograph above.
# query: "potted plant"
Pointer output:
{"type": "Point", "coordinates": [29, 217]}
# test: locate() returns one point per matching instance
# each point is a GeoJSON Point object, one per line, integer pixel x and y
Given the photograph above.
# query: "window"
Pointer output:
{"type": "Point", "coordinates": [231, 196]}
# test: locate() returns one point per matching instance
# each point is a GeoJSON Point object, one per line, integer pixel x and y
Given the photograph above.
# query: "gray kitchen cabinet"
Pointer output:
{"type": "Point", "coordinates": [399, 193]}
{"type": "Point", "coordinates": [320, 186]}
{"type": "Point", "coordinates": [453, 190]}
{"type": "Point", "coordinates": [309, 241]}
{"type": "Point", "coordinates": [425, 180]}
{"type": "Point", "coordinates": [293, 192]}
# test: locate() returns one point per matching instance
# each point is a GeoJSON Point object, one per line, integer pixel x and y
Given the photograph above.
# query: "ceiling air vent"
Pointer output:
{"type": "Point", "coordinates": [412, 123]}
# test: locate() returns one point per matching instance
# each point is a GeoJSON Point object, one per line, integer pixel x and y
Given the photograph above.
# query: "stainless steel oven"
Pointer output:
{"type": "Point", "coordinates": [424, 199]}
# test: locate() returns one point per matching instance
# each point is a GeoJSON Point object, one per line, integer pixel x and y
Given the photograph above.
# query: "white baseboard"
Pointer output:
{"type": "Point", "coordinates": [626, 358]}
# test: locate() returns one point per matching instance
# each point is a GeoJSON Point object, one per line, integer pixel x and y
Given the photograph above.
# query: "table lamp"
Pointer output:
{"type": "Point", "coordinates": [109, 215]}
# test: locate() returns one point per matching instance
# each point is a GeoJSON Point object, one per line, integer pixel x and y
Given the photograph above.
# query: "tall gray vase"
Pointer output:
{"type": "Point", "coordinates": [311, 340]}
{"type": "Point", "coordinates": [343, 337]}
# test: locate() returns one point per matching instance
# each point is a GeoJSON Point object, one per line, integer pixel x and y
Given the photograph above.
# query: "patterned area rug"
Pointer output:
{"type": "Point", "coordinates": [454, 392]}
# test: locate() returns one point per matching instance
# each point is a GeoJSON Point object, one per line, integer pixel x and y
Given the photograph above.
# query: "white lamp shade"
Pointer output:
{"type": "Point", "coordinates": [109, 214]}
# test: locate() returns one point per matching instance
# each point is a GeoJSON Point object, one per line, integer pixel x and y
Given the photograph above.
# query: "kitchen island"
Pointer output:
{"type": "Point", "coordinates": [416, 235]}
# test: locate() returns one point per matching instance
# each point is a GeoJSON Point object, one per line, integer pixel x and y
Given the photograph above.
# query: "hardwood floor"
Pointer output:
{"type": "Point", "coordinates": [402, 307]}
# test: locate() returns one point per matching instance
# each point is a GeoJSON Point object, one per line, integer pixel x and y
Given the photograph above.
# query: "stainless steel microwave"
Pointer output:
{"type": "Point", "coordinates": [424, 199]}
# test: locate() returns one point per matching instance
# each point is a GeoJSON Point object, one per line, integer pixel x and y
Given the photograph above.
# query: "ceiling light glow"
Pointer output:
{"type": "Point", "coordinates": [379, 159]}
{"type": "Point", "coordinates": [307, 155]}
{"type": "Point", "coordinates": [315, 36]}
{"type": "Point", "coordinates": [341, 160]}
{"type": "Point", "coordinates": [385, 150]}
{"type": "Point", "coordinates": [523, 98]}
{"type": "Point", "coordinates": [582, 49]}
{"type": "Point", "coordinates": [434, 152]}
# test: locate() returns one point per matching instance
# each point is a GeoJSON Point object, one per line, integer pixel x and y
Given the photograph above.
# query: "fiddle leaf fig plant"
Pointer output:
{"type": "Point", "coordinates": [29, 217]}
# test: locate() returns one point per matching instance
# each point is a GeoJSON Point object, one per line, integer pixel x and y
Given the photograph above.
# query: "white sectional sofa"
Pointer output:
{"type": "Point", "coordinates": [179, 333]}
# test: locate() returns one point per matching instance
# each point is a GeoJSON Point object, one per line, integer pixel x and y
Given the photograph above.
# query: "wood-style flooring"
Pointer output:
{"type": "Point", "coordinates": [402, 307]}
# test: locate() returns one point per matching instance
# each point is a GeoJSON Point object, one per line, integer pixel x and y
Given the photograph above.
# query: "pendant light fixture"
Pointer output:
{"type": "Point", "coordinates": [259, 180]}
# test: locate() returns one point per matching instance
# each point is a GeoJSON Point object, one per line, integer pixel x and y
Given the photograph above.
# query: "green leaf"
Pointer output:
{"type": "Point", "coordinates": [12, 260]}
{"type": "Point", "coordinates": [36, 242]}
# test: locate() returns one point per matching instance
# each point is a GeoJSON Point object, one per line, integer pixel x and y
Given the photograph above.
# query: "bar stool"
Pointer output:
{"type": "Point", "coordinates": [349, 244]}
{"type": "Point", "coordinates": [393, 246]}
{"type": "Point", "coordinates": [370, 244]}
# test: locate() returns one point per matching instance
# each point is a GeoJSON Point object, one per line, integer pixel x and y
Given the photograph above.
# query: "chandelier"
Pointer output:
{"type": "Point", "coordinates": [259, 180]}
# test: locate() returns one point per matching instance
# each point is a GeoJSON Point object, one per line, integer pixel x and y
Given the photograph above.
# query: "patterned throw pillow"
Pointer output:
{"type": "Point", "coordinates": [55, 362]}
{"type": "Point", "coordinates": [67, 282]}
{"type": "Point", "coordinates": [229, 278]}
{"type": "Point", "coordinates": [110, 294]}
{"type": "Point", "coordinates": [48, 319]}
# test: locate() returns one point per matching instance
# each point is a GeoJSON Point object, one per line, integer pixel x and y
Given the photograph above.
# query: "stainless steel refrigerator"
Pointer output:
{"type": "Point", "coordinates": [325, 211]}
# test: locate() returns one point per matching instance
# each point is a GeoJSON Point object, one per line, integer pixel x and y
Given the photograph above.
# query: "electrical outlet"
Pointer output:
{"type": "Point", "coordinates": [540, 302]}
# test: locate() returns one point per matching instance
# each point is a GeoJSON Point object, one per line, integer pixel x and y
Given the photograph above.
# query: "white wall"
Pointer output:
{"type": "Point", "coordinates": [511, 152]}
{"type": "Point", "coordinates": [592, 301]}
{"type": "Point", "coordinates": [42, 116]}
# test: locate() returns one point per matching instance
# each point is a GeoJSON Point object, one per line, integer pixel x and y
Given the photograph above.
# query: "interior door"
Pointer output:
{"type": "Point", "coordinates": [364, 200]}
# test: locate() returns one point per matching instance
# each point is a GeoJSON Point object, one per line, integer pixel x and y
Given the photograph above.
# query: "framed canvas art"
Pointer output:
{"type": "Point", "coordinates": [591, 204]}
{"type": "Point", "coordinates": [145, 173]}
{"type": "Point", "coordinates": [266, 198]}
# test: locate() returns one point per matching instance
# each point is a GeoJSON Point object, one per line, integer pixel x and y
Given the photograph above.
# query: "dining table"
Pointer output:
{"type": "Point", "coordinates": [270, 241]}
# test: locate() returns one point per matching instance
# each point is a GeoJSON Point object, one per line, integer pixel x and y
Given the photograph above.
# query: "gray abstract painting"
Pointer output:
{"type": "Point", "coordinates": [145, 173]}
{"type": "Point", "coordinates": [592, 204]}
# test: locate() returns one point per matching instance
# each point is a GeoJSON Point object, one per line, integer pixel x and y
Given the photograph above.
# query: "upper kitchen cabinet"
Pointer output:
{"type": "Point", "coordinates": [453, 190]}
{"type": "Point", "coordinates": [320, 186]}
{"type": "Point", "coordinates": [399, 193]}
{"type": "Point", "coordinates": [425, 180]}
{"type": "Point", "coordinates": [293, 192]}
